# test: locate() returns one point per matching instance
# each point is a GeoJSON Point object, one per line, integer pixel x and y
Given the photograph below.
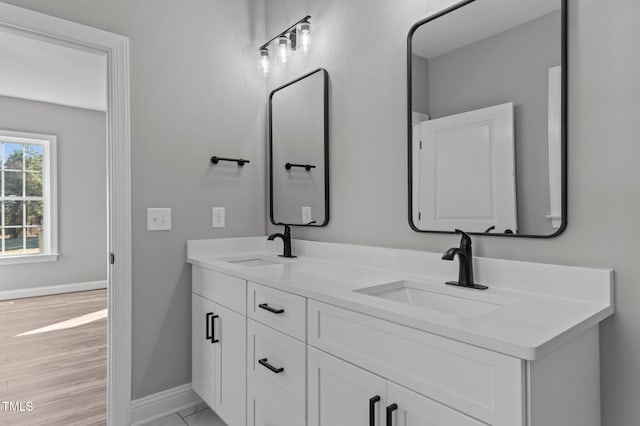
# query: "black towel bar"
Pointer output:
{"type": "Point", "coordinates": [241, 162]}
{"type": "Point", "coordinates": [307, 167]}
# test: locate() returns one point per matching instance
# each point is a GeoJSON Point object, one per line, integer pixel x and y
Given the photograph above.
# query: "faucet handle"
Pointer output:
{"type": "Point", "coordinates": [465, 239]}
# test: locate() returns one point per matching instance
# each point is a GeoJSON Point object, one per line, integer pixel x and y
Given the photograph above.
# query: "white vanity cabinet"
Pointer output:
{"type": "Point", "coordinates": [219, 343]}
{"type": "Point", "coordinates": [282, 345]}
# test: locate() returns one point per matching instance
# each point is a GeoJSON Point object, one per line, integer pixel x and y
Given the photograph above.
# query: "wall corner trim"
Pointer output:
{"type": "Point", "coordinates": [163, 403]}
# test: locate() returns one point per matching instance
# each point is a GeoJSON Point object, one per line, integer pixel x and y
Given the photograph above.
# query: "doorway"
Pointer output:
{"type": "Point", "coordinates": [33, 25]}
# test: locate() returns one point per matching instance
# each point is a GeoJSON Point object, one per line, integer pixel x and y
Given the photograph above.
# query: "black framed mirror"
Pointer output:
{"type": "Point", "coordinates": [299, 151]}
{"type": "Point", "coordinates": [487, 119]}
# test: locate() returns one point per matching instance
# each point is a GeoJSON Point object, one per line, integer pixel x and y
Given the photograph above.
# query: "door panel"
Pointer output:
{"type": "Point", "coordinates": [466, 171]}
{"type": "Point", "coordinates": [340, 393]}
{"type": "Point", "coordinates": [417, 410]}
{"type": "Point", "coordinates": [203, 371]}
{"type": "Point", "coordinates": [231, 331]}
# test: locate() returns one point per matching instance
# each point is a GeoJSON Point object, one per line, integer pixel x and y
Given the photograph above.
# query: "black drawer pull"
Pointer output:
{"type": "Point", "coordinates": [264, 362]}
{"type": "Point", "coordinates": [390, 410]}
{"type": "Point", "coordinates": [266, 307]}
{"type": "Point", "coordinates": [213, 329]}
{"type": "Point", "coordinates": [372, 409]}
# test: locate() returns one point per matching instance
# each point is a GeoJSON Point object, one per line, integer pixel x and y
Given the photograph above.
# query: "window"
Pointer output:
{"type": "Point", "coordinates": [28, 231]}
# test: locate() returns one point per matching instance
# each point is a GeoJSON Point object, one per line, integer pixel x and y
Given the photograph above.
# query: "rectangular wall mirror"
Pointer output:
{"type": "Point", "coordinates": [299, 151]}
{"type": "Point", "coordinates": [487, 119]}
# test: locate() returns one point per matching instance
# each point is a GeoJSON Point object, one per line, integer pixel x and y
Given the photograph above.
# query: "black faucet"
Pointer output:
{"type": "Point", "coordinates": [465, 256]}
{"type": "Point", "coordinates": [286, 240]}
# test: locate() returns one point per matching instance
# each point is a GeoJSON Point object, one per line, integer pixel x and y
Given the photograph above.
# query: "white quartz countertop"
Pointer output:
{"type": "Point", "coordinates": [529, 321]}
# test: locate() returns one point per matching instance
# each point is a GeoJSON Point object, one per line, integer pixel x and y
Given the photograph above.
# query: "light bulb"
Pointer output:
{"type": "Point", "coordinates": [305, 37]}
{"type": "Point", "coordinates": [265, 61]}
{"type": "Point", "coordinates": [284, 49]}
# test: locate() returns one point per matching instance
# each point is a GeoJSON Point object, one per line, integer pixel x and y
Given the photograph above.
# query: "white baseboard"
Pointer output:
{"type": "Point", "coordinates": [163, 403]}
{"type": "Point", "coordinates": [22, 293]}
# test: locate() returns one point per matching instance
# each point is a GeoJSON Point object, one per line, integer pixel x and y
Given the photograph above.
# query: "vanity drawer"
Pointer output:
{"type": "Point", "coordinates": [264, 411]}
{"type": "Point", "coordinates": [484, 384]}
{"type": "Point", "coordinates": [283, 311]}
{"type": "Point", "coordinates": [277, 365]}
{"type": "Point", "coordinates": [223, 289]}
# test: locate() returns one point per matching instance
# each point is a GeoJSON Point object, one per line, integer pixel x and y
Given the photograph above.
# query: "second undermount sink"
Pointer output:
{"type": "Point", "coordinates": [423, 295]}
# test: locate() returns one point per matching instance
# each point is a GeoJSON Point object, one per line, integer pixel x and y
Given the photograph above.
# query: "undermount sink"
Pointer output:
{"type": "Point", "coordinates": [253, 262]}
{"type": "Point", "coordinates": [424, 296]}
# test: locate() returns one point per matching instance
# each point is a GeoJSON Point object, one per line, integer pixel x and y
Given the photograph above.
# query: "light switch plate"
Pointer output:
{"type": "Point", "coordinates": [158, 219]}
{"type": "Point", "coordinates": [306, 215]}
{"type": "Point", "coordinates": [217, 217]}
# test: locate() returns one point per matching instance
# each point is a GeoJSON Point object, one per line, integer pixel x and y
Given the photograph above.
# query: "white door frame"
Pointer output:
{"type": "Point", "coordinates": [116, 48]}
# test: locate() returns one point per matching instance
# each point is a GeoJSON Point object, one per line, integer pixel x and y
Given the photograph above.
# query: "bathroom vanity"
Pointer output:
{"type": "Point", "coordinates": [347, 335]}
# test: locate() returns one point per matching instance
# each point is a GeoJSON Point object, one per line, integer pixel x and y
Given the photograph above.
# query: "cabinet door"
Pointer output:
{"type": "Point", "coordinates": [231, 354]}
{"type": "Point", "coordinates": [203, 366]}
{"type": "Point", "coordinates": [341, 394]}
{"type": "Point", "coordinates": [412, 409]}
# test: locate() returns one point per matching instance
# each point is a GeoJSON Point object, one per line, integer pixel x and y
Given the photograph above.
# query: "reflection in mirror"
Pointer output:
{"type": "Point", "coordinates": [486, 119]}
{"type": "Point", "coordinates": [299, 166]}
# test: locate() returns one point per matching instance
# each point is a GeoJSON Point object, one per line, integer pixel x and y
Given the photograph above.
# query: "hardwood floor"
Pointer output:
{"type": "Point", "coordinates": [63, 371]}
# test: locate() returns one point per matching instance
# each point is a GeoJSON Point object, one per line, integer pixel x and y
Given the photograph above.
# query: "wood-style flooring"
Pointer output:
{"type": "Point", "coordinates": [61, 372]}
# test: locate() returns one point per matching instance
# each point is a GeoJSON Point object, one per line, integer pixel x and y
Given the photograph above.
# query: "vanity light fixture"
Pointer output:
{"type": "Point", "coordinates": [296, 36]}
{"type": "Point", "coordinates": [284, 49]}
{"type": "Point", "coordinates": [305, 36]}
{"type": "Point", "coordinates": [265, 61]}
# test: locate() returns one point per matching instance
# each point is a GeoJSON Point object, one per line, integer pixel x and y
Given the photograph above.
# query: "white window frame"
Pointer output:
{"type": "Point", "coordinates": [49, 194]}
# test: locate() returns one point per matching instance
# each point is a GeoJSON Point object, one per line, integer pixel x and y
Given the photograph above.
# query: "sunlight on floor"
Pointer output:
{"type": "Point", "coordinates": [71, 323]}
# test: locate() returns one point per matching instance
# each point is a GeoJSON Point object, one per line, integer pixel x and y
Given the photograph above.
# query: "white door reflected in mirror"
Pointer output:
{"type": "Point", "coordinates": [464, 171]}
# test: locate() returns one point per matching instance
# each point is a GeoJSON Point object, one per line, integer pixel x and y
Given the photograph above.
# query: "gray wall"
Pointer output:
{"type": "Point", "coordinates": [512, 66]}
{"type": "Point", "coordinates": [195, 92]}
{"type": "Point", "coordinates": [367, 66]}
{"type": "Point", "coordinates": [419, 84]}
{"type": "Point", "coordinates": [82, 189]}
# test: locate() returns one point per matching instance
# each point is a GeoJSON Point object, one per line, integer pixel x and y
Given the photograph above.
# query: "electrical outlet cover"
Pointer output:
{"type": "Point", "coordinates": [158, 219]}
{"type": "Point", "coordinates": [306, 215]}
{"type": "Point", "coordinates": [217, 217]}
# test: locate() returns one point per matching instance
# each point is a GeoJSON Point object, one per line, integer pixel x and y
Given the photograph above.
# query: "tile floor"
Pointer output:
{"type": "Point", "coordinates": [200, 415]}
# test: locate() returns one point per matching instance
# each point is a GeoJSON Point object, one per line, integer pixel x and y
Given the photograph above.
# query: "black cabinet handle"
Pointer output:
{"type": "Point", "coordinates": [372, 409]}
{"type": "Point", "coordinates": [390, 410]}
{"type": "Point", "coordinates": [264, 362]}
{"type": "Point", "coordinates": [266, 307]}
{"type": "Point", "coordinates": [213, 329]}
{"type": "Point", "coordinates": [207, 321]}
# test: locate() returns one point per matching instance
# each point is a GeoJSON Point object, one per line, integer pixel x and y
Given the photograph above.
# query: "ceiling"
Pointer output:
{"type": "Point", "coordinates": [42, 71]}
{"type": "Point", "coordinates": [476, 21]}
